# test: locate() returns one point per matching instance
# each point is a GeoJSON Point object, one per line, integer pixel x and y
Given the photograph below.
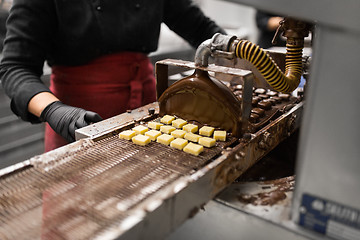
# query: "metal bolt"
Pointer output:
{"type": "Point", "coordinates": [239, 155]}
{"type": "Point", "coordinates": [247, 136]}
{"type": "Point", "coordinates": [266, 137]}
{"type": "Point", "coordinates": [262, 145]}
{"type": "Point", "coordinates": [291, 124]}
{"type": "Point", "coordinates": [151, 111]}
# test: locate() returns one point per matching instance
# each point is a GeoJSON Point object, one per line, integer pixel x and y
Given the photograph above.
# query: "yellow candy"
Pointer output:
{"type": "Point", "coordinates": [206, 131]}
{"type": "Point", "coordinates": [167, 129]}
{"type": "Point", "coordinates": [192, 137]}
{"type": "Point", "coordinates": [220, 135]}
{"type": "Point", "coordinates": [153, 134]}
{"type": "Point", "coordinates": [154, 125]}
{"type": "Point", "coordinates": [179, 143]}
{"type": "Point", "coordinates": [167, 119]}
{"type": "Point", "coordinates": [141, 140]}
{"type": "Point", "coordinates": [190, 128]}
{"type": "Point", "coordinates": [140, 129]}
{"type": "Point", "coordinates": [207, 142]}
{"type": "Point", "coordinates": [165, 139]}
{"type": "Point", "coordinates": [178, 133]}
{"type": "Point", "coordinates": [127, 134]}
{"type": "Point", "coordinates": [178, 123]}
{"type": "Point", "coordinates": [193, 148]}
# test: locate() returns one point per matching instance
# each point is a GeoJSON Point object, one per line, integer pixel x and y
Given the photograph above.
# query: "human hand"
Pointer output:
{"type": "Point", "coordinates": [64, 119]}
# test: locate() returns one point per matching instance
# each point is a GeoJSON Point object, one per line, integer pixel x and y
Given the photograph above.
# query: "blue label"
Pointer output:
{"type": "Point", "coordinates": [316, 214]}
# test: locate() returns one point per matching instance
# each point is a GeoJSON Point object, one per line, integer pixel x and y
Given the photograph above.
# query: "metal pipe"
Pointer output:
{"type": "Point", "coordinates": [203, 53]}
{"type": "Point", "coordinates": [218, 43]}
{"type": "Point", "coordinates": [293, 30]}
{"type": "Point", "coordinates": [281, 82]}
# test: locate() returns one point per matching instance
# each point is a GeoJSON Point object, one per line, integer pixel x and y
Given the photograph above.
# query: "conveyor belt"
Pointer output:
{"type": "Point", "coordinates": [74, 196]}
{"type": "Point", "coordinates": [90, 188]}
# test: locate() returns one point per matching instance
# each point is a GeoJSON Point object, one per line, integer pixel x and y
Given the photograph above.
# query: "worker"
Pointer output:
{"type": "Point", "coordinates": [267, 24]}
{"type": "Point", "coordinates": [4, 12]}
{"type": "Point", "coordinates": [98, 53]}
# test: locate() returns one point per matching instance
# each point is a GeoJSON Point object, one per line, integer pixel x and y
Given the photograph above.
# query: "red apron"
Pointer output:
{"type": "Point", "coordinates": [110, 85]}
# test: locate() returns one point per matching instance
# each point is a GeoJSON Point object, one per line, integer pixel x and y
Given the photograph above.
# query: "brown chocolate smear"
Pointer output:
{"type": "Point", "coordinates": [278, 164]}
{"type": "Point", "coordinates": [280, 187]}
{"type": "Point", "coordinates": [203, 99]}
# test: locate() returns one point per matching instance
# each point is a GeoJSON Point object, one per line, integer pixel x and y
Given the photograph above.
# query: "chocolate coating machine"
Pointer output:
{"type": "Point", "coordinates": [103, 187]}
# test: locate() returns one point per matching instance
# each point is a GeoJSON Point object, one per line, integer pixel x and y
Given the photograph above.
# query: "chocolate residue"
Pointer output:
{"type": "Point", "coordinates": [275, 172]}
{"type": "Point", "coordinates": [277, 164]}
{"type": "Point", "coordinates": [272, 197]}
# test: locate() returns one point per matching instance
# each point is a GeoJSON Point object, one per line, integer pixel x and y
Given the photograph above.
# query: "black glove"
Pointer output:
{"type": "Point", "coordinates": [65, 119]}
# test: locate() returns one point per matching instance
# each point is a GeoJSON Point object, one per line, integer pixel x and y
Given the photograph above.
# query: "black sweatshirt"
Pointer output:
{"type": "Point", "coordinates": [74, 32]}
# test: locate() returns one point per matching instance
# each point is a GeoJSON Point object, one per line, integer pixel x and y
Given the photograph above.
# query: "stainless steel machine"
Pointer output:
{"type": "Point", "coordinates": [324, 202]}
{"type": "Point", "coordinates": [103, 187]}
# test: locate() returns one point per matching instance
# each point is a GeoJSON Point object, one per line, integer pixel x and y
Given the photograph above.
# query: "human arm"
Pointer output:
{"type": "Point", "coordinates": [29, 28]}
{"type": "Point", "coordinates": [187, 20]}
{"type": "Point", "coordinates": [31, 32]}
{"type": "Point", "coordinates": [40, 101]}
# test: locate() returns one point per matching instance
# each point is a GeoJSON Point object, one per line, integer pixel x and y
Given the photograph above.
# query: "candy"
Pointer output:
{"type": "Point", "coordinates": [141, 140]}
{"type": "Point", "coordinates": [206, 131]}
{"type": "Point", "coordinates": [193, 148]}
{"type": "Point", "coordinates": [179, 143]}
{"type": "Point", "coordinates": [190, 128]}
{"type": "Point", "coordinates": [220, 135]}
{"type": "Point", "coordinates": [140, 129]}
{"type": "Point", "coordinates": [207, 142]}
{"type": "Point", "coordinates": [127, 134]}
{"type": "Point", "coordinates": [167, 119]}
{"type": "Point", "coordinates": [153, 134]}
{"type": "Point", "coordinates": [178, 123]}
{"type": "Point", "coordinates": [165, 139]}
